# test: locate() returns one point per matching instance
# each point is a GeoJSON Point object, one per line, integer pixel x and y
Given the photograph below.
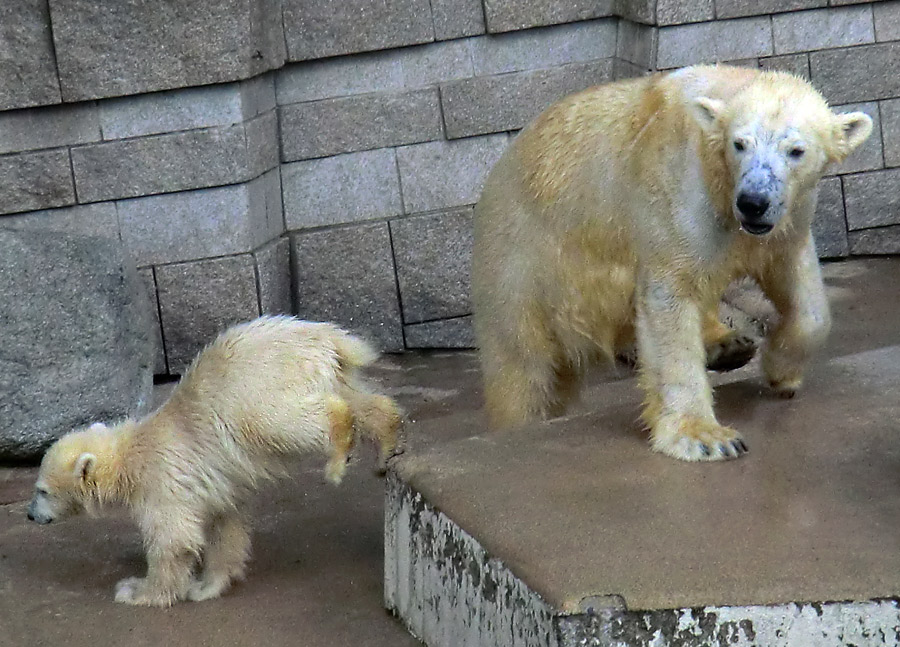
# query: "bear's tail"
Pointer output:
{"type": "Point", "coordinates": [354, 352]}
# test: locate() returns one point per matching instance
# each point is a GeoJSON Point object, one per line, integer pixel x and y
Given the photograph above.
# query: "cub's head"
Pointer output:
{"type": "Point", "coordinates": [779, 135]}
{"type": "Point", "coordinates": [64, 485]}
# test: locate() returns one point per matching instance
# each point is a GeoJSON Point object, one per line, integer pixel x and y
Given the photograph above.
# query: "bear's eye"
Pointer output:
{"type": "Point", "coordinates": [739, 146]}
{"type": "Point", "coordinates": [796, 152]}
{"type": "Point", "coordinates": [42, 492]}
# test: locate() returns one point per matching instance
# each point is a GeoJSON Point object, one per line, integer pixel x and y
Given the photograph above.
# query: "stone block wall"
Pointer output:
{"type": "Point", "coordinates": [322, 158]}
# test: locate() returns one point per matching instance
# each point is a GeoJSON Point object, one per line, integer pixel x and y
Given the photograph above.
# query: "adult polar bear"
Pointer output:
{"type": "Point", "coordinates": [622, 213]}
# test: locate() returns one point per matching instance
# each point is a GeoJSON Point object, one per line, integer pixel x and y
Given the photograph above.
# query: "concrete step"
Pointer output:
{"type": "Point", "coordinates": [572, 532]}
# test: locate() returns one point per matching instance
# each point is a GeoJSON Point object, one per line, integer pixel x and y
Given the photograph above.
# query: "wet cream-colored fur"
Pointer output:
{"type": "Point", "coordinates": [614, 217]}
{"type": "Point", "coordinates": [261, 392]}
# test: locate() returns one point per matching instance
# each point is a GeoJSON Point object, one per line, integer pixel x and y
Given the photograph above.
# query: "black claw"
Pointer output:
{"type": "Point", "coordinates": [723, 449]}
{"type": "Point", "coordinates": [704, 449]}
{"type": "Point", "coordinates": [736, 444]}
{"type": "Point", "coordinates": [743, 446]}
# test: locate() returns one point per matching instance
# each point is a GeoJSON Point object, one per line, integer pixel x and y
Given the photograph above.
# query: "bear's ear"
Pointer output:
{"type": "Point", "coordinates": [707, 111]}
{"type": "Point", "coordinates": [850, 130]}
{"type": "Point", "coordinates": [84, 465]}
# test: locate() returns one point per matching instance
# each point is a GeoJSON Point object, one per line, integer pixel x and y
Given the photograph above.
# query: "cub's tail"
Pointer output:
{"type": "Point", "coordinates": [354, 352]}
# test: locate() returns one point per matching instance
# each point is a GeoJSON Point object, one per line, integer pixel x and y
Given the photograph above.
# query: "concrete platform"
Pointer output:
{"type": "Point", "coordinates": [572, 532]}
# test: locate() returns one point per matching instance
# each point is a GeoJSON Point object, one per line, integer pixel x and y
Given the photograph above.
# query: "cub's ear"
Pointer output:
{"type": "Point", "coordinates": [850, 130]}
{"type": "Point", "coordinates": [84, 465]}
{"type": "Point", "coordinates": [707, 111]}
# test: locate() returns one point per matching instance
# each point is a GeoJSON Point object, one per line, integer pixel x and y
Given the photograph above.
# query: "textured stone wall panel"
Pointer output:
{"type": "Point", "coordinates": [710, 42]}
{"type": "Point", "coordinates": [273, 267]}
{"type": "Point", "coordinates": [50, 127]}
{"type": "Point", "coordinates": [872, 199]}
{"type": "Point", "coordinates": [458, 333]}
{"type": "Point", "coordinates": [27, 65]}
{"type": "Point", "coordinates": [35, 180]}
{"type": "Point", "coordinates": [98, 219]}
{"type": "Point", "coordinates": [890, 130]}
{"type": "Point", "coordinates": [457, 18]}
{"type": "Point", "coordinates": [829, 225]}
{"type": "Point", "coordinates": [677, 12]}
{"type": "Point", "coordinates": [738, 8]}
{"type": "Point", "coordinates": [822, 29]}
{"type": "Point", "coordinates": [512, 15]}
{"type": "Point", "coordinates": [861, 73]}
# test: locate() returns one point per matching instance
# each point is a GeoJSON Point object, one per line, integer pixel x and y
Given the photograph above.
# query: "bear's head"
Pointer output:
{"type": "Point", "coordinates": [66, 480]}
{"type": "Point", "coordinates": [778, 137]}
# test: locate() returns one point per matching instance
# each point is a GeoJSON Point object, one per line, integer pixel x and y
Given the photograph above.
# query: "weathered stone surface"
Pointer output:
{"type": "Point", "coordinates": [881, 240]}
{"type": "Point", "coordinates": [511, 15]}
{"type": "Point", "coordinates": [890, 130]}
{"type": "Point", "coordinates": [509, 101]}
{"type": "Point", "coordinates": [736, 8]}
{"type": "Point", "coordinates": [433, 63]}
{"type": "Point", "coordinates": [433, 254]}
{"type": "Point", "coordinates": [274, 267]}
{"type": "Point", "coordinates": [869, 156]}
{"type": "Point", "coordinates": [677, 12]}
{"type": "Point", "coordinates": [35, 180]}
{"type": "Point", "coordinates": [872, 199]}
{"type": "Point", "coordinates": [709, 42]}
{"type": "Point", "coordinates": [338, 77]}
{"type": "Point", "coordinates": [455, 333]}
{"type": "Point", "coordinates": [332, 126]}
{"type": "Point", "coordinates": [887, 21]}
{"type": "Point", "coordinates": [200, 299]}
{"type": "Point", "coordinates": [457, 18]}
{"type": "Point", "coordinates": [27, 64]}
{"type": "Point", "coordinates": [76, 337]}
{"type": "Point", "coordinates": [829, 226]}
{"type": "Point", "coordinates": [636, 44]}
{"type": "Point", "coordinates": [97, 219]}
{"type": "Point", "coordinates": [149, 280]}
{"type": "Point", "coordinates": [135, 46]}
{"type": "Point", "coordinates": [346, 275]}
{"type": "Point", "coordinates": [50, 127]}
{"type": "Point", "coordinates": [861, 73]}
{"type": "Point", "coordinates": [166, 163]}
{"type": "Point", "coordinates": [625, 70]}
{"type": "Point", "coordinates": [544, 48]}
{"type": "Point", "coordinates": [189, 225]}
{"type": "Point", "coordinates": [794, 63]}
{"type": "Point", "coordinates": [333, 27]}
{"type": "Point", "coordinates": [642, 11]}
{"type": "Point", "coordinates": [343, 188]}
{"type": "Point", "coordinates": [425, 169]}
{"type": "Point", "coordinates": [822, 29]}
{"type": "Point", "coordinates": [257, 95]}
{"type": "Point", "coordinates": [261, 136]}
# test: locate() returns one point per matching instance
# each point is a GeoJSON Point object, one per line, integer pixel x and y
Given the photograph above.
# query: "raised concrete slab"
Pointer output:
{"type": "Point", "coordinates": [572, 532]}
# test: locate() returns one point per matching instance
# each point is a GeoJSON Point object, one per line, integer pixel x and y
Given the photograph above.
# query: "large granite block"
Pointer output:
{"type": "Point", "coordinates": [133, 46]}
{"type": "Point", "coordinates": [794, 63]}
{"type": "Point", "coordinates": [457, 333]}
{"type": "Point", "coordinates": [35, 180]}
{"type": "Point", "coordinates": [544, 48]}
{"type": "Point", "coordinates": [433, 256]}
{"type": "Point", "coordinates": [332, 126]}
{"type": "Point", "coordinates": [431, 64]}
{"type": "Point", "coordinates": [804, 31]}
{"type": "Point", "coordinates": [338, 77]}
{"type": "Point", "coordinates": [829, 226]}
{"type": "Point", "coordinates": [882, 240]}
{"type": "Point", "coordinates": [166, 163]}
{"type": "Point", "coordinates": [509, 101]}
{"type": "Point", "coordinates": [642, 11]}
{"type": "Point", "coordinates": [872, 199]}
{"type": "Point", "coordinates": [97, 219]}
{"type": "Point", "coordinates": [273, 265]}
{"type": "Point", "coordinates": [737, 8]}
{"type": "Point", "coordinates": [512, 15]}
{"type": "Point", "coordinates": [321, 28]}
{"type": "Point", "coordinates": [50, 127]}
{"type": "Point", "coordinates": [77, 343]}
{"type": "Point", "coordinates": [27, 64]}
{"type": "Point", "coordinates": [890, 130]}
{"type": "Point", "coordinates": [149, 280]}
{"type": "Point", "coordinates": [196, 224]}
{"type": "Point", "coordinates": [457, 18]}
{"type": "Point", "coordinates": [346, 275]}
{"type": "Point", "coordinates": [887, 21]}
{"type": "Point", "coordinates": [198, 300]}
{"type": "Point", "coordinates": [636, 44]}
{"type": "Point", "coordinates": [861, 73]}
{"type": "Point", "coordinates": [340, 189]}
{"type": "Point", "coordinates": [443, 174]}
{"type": "Point", "coordinates": [710, 42]}
{"type": "Point", "coordinates": [678, 12]}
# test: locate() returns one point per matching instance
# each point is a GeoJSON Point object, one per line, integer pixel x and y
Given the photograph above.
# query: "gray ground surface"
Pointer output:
{"type": "Point", "coordinates": [317, 570]}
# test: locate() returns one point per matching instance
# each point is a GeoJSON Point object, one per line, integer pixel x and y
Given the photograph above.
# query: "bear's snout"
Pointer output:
{"type": "Point", "coordinates": [36, 516]}
{"type": "Point", "coordinates": [751, 208]}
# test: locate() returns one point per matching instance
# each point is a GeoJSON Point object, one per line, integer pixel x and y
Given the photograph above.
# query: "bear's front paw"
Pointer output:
{"type": "Point", "coordinates": [134, 590]}
{"type": "Point", "coordinates": [730, 353]}
{"type": "Point", "coordinates": [695, 439]}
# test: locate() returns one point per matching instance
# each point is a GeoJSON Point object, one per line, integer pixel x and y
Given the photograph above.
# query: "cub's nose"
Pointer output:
{"type": "Point", "coordinates": [29, 515]}
{"type": "Point", "coordinates": [752, 205]}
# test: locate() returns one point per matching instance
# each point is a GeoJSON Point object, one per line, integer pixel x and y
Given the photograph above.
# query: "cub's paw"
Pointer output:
{"type": "Point", "coordinates": [208, 588]}
{"type": "Point", "coordinates": [134, 590]}
{"type": "Point", "coordinates": [785, 388]}
{"type": "Point", "coordinates": [730, 353]}
{"type": "Point", "coordinates": [695, 439]}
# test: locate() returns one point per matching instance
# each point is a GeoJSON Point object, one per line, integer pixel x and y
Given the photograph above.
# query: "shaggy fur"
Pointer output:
{"type": "Point", "coordinates": [259, 393]}
{"type": "Point", "coordinates": [614, 218]}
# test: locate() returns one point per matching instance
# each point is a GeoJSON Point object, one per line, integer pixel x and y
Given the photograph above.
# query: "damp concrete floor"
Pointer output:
{"type": "Point", "coordinates": [571, 505]}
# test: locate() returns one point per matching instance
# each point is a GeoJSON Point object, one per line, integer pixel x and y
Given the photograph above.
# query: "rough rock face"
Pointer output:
{"type": "Point", "coordinates": [75, 338]}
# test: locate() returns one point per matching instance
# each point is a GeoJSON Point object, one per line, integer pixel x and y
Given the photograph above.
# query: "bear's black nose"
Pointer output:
{"type": "Point", "coordinates": [752, 205]}
{"type": "Point", "coordinates": [29, 515]}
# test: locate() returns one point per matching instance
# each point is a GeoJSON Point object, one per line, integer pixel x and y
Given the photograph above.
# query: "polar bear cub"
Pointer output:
{"type": "Point", "coordinates": [260, 392]}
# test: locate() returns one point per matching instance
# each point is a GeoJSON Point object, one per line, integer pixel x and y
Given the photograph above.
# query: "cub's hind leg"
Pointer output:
{"type": "Point", "coordinates": [342, 436]}
{"type": "Point", "coordinates": [224, 559]}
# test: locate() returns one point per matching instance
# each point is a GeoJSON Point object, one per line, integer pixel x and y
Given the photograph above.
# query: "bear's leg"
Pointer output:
{"type": "Point", "coordinates": [224, 559]}
{"type": "Point", "coordinates": [519, 389]}
{"type": "Point", "coordinates": [342, 436]}
{"type": "Point", "coordinates": [379, 418]}
{"type": "Point", "coordinates": [798, 294]}
{"type": "Point", "coordinates": [678, 406]}
{"type": "Point", "coordinates": [174, 540]}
